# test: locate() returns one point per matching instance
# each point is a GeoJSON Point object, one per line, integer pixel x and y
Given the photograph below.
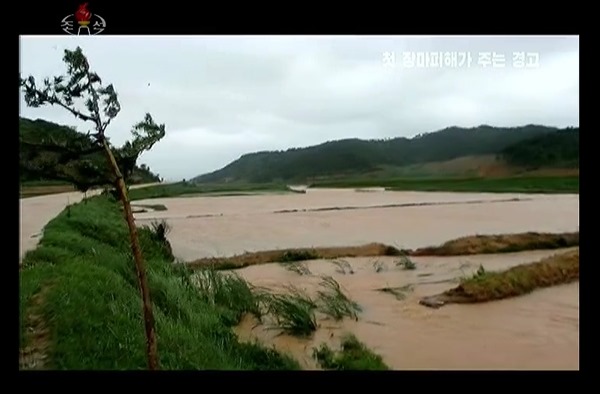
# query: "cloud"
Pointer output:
{"type": "Point", "coordinates": [223, 96]}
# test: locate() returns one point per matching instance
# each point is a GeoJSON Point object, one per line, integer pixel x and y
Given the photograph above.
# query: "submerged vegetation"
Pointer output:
{"type": "Point", "coordinates": [485, 285]}
{"type": "Point", "coordinates": [353, 355]}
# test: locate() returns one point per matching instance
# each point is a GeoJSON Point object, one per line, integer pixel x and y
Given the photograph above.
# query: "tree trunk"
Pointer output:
{"type": "Point", "coordinates": [139, 261]}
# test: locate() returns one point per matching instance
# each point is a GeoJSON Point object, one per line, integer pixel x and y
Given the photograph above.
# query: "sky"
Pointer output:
{"type": "Point", "coordinates": [223, 96]}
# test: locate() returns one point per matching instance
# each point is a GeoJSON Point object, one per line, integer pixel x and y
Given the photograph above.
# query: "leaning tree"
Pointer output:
{"type": "Point", "coordinates": [80, 91]}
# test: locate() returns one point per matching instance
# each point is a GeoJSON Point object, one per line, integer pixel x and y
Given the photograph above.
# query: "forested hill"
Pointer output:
{"type": "Point", "coordinates": [353, 156]}
{"type": "Point", "coordinates": [39, 157]}
{"type": "Point", "coordinates": [560, 149]}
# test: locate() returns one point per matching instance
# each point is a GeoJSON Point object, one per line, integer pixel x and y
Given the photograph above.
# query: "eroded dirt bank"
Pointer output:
{"type": "Point", "coordinates": [226, 226]}
{"type": "Point", "coordinates": [535, 331]}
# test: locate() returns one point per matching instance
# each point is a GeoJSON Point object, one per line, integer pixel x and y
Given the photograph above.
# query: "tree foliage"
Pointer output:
{"type": "Point", "coordinates": [82, 87]}
{"type": "Point", "coordinates": [560, 149]}
{"type": "Point", "coordinates": [49, 151]}
{"type": "Point", "coordinates": [352, 156]}
{"type": "Point", "coordinates": [74, 157]}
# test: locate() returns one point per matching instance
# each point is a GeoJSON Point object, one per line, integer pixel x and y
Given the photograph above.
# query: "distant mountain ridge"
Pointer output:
{"type": "Point", "coordinates": [356, 156]}
{"type": "Point", "coordinates": [40, 160]}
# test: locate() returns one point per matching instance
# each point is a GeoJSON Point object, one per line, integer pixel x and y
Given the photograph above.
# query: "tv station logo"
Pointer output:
{"type": "Point", "coordinates": [83, 22]}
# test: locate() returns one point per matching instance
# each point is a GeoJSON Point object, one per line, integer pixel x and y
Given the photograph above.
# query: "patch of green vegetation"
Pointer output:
{"type": "Point", "coordinates": [297, 267]}
{"type": "Point", "coordinates": [47, 159]}
{"type": "Point", "coordinates": [91, 304]}
{"type": "Point", "coordinates": [193, 189]}
{"type": "Point", "coordinates": [485, 285]}
{"type": "Point", "coordinates": [560, 149]}
{"type": "Point", "coordinates": [342, 267]}
{"type": "Point", "coordinates": [540, 184]}
{"type": "Point", "coordinates": [351, 158]}
{"type": "Point", "coordinates": [294, 312]}
{"type": "Point", "coordinates": [298, 255]}
{"type": "Point", "coordinates": [379, 266]}
{"type": "Point", "coordinates": [353, 356]}
{"type": "Point", "coordinates": [406, 263]}
{"type": "Point", "coordinates": [334, 303]}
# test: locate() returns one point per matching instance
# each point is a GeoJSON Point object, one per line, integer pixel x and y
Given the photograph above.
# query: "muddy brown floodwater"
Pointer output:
{"type": "Point", "coordinates": [535, 331]}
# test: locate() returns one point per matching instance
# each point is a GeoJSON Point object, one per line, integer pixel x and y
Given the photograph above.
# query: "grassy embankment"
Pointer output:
{"type": "Point", "coordinates": [187, 189]}
{"type": "Point", "coordinates": [476, 244]}
{"type": "Point", "coordinates": [516, 184]}
{"type": "Point", "coordinates": [80, 304]}
{"type": "Point", "coordinates": [486, 286]}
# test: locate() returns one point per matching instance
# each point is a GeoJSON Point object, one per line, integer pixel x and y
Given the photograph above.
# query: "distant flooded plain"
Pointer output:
{"type": "Point", "coordinates": [535, 331]}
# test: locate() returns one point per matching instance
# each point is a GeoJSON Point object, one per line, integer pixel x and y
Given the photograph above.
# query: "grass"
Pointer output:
{"type": "Point", "coordinates": [399, 292]}
{"type": "Point", "coordinates": [80, 304]}
{"type": "Point", "coordinates": [294, 312]}
{"type": "Point", "coordinates": [352, 356]}
{"type": "Point", "coordinates": [379, 266]}
{"type": "Point", "coordinates": [500, 243]}
{"type": "Point", "coordinates": [514, 184]}
{"type": "Point", "coordinates": [334, 303]}
{"type": "Point", "coordinates": [405, 263]}
{"type": "Point", "coordinates": [342, 267]}
{"type": "Point", "coordinates": [484, 286]}
{"type": "Point", "coordinates": [298, 267]}
{"type": "Point", "coordinates": [192, 189]}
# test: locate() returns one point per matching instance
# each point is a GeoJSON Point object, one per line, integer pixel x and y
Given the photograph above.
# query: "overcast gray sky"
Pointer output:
{"type": "Point", "coordinates": [223, 96]}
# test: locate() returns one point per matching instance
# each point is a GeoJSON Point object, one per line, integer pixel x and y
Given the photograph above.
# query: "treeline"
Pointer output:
{"type": "Point", "coordinates": [354, 156]}
{"type": "Point", "coordinates": [560, 149]}
{"type": "Point", "coordinates": [52, 152]}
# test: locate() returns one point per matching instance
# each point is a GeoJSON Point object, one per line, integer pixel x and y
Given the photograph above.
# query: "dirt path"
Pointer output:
{"type": "Point", "coordinates": [36, 212]}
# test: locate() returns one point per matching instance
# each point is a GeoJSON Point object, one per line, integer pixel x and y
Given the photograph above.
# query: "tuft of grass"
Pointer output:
{"type": "Point", "coordinates": [228, 291]}
{"type": "Point", "coordinates": [294, 312]}
{"type": "Point", "coordinates": [399, 292]}
{"type": "Point", "coordinates": [342, 267]}
{"type": "Point", "coordinates": [334, 303]}
{"type": "Point", "coordinates": [353, 356]}
{"type": "Point", "coordinates": [379, 266]}
{"type": "Point", "coordinates": [80, 303]}
{"type": "Point", "coordinates": [297, 267]}
{"type": "Point", "coordinates": [298, 255]}
{"type": "Point", "coordinates": [405, 263]}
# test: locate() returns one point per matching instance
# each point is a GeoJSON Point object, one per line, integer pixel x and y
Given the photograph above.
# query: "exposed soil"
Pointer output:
{"type": "Point", "coordinates": [299, 254]}
{"type": "Point", "coordinates": [500, 243]}
{"type": "Point", "coordinates": [479, 244]}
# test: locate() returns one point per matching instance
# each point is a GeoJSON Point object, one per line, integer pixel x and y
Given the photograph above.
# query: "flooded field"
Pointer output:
{"type": "Point", "coordinates": [536, 331]}
{"type": "Point", "coordinates": [224, 226]}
